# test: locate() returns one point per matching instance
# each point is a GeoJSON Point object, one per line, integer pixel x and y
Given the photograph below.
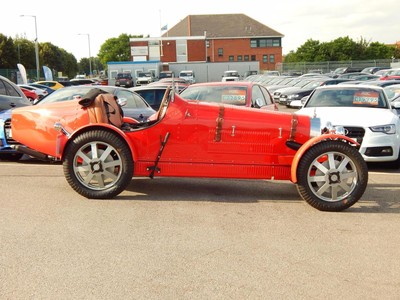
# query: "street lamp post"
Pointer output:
{"type": "Point", "coordinates": [36, 47]}
{"type": "Point", "coordinates": [90, 60]}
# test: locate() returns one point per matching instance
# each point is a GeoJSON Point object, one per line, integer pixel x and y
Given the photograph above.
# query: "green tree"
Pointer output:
{"type": "Point", "coordinates": [380, 50]}
{"type": "Point", "coordinates": [8, 55]}
{"type": "Point", "coordinates": [25, 53]}
{"type": "Point", "coordinates": [308, 51]}
{"type": "Point", "coordinates": [341, 49]}
{"type": "Point", "coordinates": [116, 49]}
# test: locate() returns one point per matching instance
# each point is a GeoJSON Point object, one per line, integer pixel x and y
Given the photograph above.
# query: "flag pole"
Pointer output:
{"type": "Point", "coordinates": [161, 46]}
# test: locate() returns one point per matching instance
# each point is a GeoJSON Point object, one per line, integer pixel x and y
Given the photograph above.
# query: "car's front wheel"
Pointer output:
{"type": "Point", "coordinates": [332, 176]}
{"type": "Point", "coordinates": [98, 164]}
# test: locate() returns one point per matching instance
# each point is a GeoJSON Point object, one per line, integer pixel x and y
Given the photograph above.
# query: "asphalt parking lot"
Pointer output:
{"type": "Point", "coordinates": [172, 238]}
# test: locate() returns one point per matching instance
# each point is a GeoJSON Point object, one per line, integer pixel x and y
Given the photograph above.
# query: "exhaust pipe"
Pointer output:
{"type": "Point", "coordinates": [31, 152]}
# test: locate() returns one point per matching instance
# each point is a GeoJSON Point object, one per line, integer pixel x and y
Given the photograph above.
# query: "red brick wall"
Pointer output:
{"type": "Point", "coordinates": [196, 50]}
{"type": "Point", "coordinates": [242, 47]}
{"type": "Point", "coordinates": [169, 51]}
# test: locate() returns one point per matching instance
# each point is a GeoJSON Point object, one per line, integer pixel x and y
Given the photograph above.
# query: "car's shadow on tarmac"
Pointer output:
{"type": "Point", "coordinates": [213, 190]}
{"type": "Point", "coordinates": [379, 197]}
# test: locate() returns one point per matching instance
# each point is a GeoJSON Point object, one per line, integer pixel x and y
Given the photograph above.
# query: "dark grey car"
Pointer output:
{"type": "Point", "coordinates": [11, 95]}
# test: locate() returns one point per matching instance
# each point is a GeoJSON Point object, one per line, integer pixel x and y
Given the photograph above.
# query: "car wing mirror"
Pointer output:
{"type": "Point", "coordinates": [122, 101]}
{"type": "Point", "coordinates": [259, 103]}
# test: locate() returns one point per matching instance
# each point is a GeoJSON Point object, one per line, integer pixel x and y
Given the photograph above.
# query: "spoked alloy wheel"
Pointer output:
{"type": "Point", "coordinates": [332, 176]}
{"type": "Point", "coordinates": [98, 164]}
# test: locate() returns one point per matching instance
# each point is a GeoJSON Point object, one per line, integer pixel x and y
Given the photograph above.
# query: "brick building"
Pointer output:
{"type": "Point", "coordinates": [213, 38]}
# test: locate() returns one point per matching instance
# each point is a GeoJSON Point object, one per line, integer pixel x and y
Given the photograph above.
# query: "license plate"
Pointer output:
{"type": "Point", "coordinates": [8, 133]}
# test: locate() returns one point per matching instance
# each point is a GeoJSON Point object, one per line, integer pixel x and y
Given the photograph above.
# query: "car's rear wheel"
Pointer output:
{"type": "Point", "coordinates": [332, 176]}
{"type": "Point", "coordinates": [98, 164]}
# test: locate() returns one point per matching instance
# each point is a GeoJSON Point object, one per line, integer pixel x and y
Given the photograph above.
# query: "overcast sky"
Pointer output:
{"type": "Point", "coordinates": [62, 23]}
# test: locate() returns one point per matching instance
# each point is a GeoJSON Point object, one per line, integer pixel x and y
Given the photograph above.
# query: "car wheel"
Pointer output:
{"type": "Point", "coordinates": [98, 164]}
{"type": "Point", "coordinates": [332, 176]}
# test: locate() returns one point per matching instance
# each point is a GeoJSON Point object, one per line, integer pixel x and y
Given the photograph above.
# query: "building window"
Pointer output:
{"type": "Point", "coordinates": [246, 58]}
{"type": "Point", "coordinates": [220, 51]}
{"type": "Point", "coordinates": [208, 44]}
{"type": "Point", "coordinates": [253, 58]}
{"type": "Point", "coordinates": [265, 42]}
{"type": "Point", "coordinates": [265, 58]}
{"type": "Point", "coordinates": [272, 58]}
{"type": "Point", "coordinates": [239, 58]}
{"type": "Point", "coordinates": [231, 58]}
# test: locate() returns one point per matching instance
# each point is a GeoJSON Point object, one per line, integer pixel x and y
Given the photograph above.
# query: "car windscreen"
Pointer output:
{"type": "Point", "coordinates": [65, 94]}
{"type": "Point", "coordinates": [235, 95]}
{"type": "Point", "coordinates": [347, 97]}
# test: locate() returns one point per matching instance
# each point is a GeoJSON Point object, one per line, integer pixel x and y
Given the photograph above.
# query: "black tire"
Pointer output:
{"type": "Point", "coordinates": [332, 176]}
{"type": "Point", "coordinates": [98, 164]}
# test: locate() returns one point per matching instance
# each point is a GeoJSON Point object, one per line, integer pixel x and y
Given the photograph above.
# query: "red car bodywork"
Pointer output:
{"type": "Point", "coordinates": [250, 145]}
{"type": "Point", "coordinates": [187, 139]}
{"type": "Point", "coordinates": [241, 93]}
{"type": "Point", "coordinates": [31, 95]}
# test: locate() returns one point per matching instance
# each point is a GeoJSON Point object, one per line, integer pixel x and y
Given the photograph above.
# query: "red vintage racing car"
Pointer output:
{"type": "Point", "coordinates": [189, 138]}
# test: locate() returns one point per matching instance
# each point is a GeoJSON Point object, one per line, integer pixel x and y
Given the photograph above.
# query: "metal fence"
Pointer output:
{"type": "Point", "coordinates": [330, 66]}
{"type": "Point", "coordinates": [13, 73]}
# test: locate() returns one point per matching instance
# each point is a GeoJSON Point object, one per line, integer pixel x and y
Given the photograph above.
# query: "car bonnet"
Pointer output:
{"type": "Point", "coordinates": [352, 116]}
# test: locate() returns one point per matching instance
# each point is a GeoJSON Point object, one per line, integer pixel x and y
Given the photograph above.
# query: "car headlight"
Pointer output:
{"type": "Point", "coordinates": [388, 129]}
{"type": "Point", "coordinates": [294, 96]}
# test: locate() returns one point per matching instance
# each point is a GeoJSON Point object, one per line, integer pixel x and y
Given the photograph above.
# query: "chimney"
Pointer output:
{"type": "Point", "coordinates": [189, 27]}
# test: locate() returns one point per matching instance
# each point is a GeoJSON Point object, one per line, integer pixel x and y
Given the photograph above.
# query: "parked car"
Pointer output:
{"type": "Point", "coordinates": [11, 95]}
{"type": "Point", "coordinates": [299, 84]}
{"type": "Point", "coordinates": [55, 85]}
{"type": "Point", "coordinates": [39, 92]}
{"type": "Point", "coordinates": [231, 75]}
{"type": "Point", "coordinates": [79, 81]}
{"type": "Point", "coordinates": [395, 101]}
{"type": "Point", "coordinates": [136, 107]}
{"type": "Point", "coordinates": [195, 139]}
{"type": "Point", "coordinates": [7, 152]}
{"type": "Point", "coordinates": [250, 73]}
{"type": "Point", "coordinates": [153, 94]}
{"type": "Point", "coordinates": [6, 140]}
{"type": "Point", "coordinates": [382, 73]}
{"type": "Point", "coordinates": [392, 91]}
{"type": "Point", "coordinates": [166, 74]}
{"type": "Point", "coordinates": [179, 83]}
{"type": "Point", "coordinates": [344, 70]}
{"type": "Point", "coordinates": [381, 83]}
{"type": "Point", "coordinates": [365, 77]}
{"type": "Point", "coordinates": [351, 75]}
{"type": "Point", "coordinates": [188, 75]}
{"type": "Point", "coordinates": [366, 115]}
{"type": "Point", "coordinates": [49, 90]}
{"type": "Point", "coordinates": [394, 75]}
{"type": "Point", "coordinates": [144, 78]}
{"type": "Point", "coordinates": [239, 93]}
{"type": "Point", "coordinates": [124, 79]}
{"type": "Point", "coordinates": [286, 81]}
{"type": "Point", "coordinates": [31, 95]}
{"type": "Point", "coordinates": [297, 94]}
{"type": "Point", "coordinates": [292, 98]}
{"type": "Point", "coordinates": [373, 70]}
